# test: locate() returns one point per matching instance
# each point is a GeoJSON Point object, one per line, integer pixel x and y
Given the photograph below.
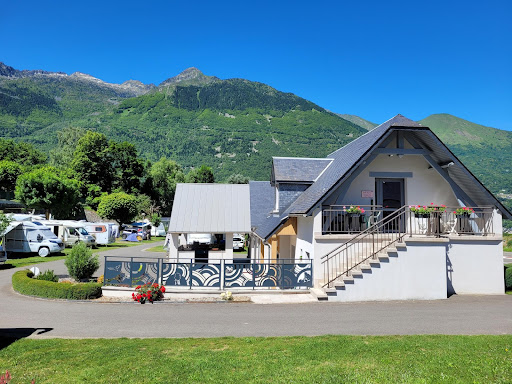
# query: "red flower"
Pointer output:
{"type": "Point", "coordinates": [162, 289]}
{"type": "Point", "coordinates": [138, 287]}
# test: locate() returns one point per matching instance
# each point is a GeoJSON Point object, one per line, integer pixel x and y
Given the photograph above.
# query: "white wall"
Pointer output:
{"type": "Point", "coordinates": [304, 242]}
{"type": "Point", "coordinates": [419, 273]}
{"type": "Point", "coordinates": [475, 266]}
{"type": "Point", "coordinates": [425, 187]}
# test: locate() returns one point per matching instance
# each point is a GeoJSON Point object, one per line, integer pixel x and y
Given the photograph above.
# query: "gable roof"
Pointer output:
{"type": "Point", "coordinates": [211, 208]}
{"type": "Point", "coordinates": [344, 160]}
{"type": "Point", "coordinates": [297, 170]}
{"type": "Point", "coordinates": [262, 204]}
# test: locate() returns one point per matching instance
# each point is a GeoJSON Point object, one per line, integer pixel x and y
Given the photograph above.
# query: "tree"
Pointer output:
{"type": "Point", "coordinates": [43, 188]}
{"type": "Point", "coordinates": [118, 206]}
{"type": "Point", "coordinates": [237, 178]}
{"type": "Point", "coordinates": [202, 175]}
{"type": "Point", "coordinates": [4, 222]}
{"type": "Point", "coordinates": [92, 162]}
{"type": "Point", "coordinates": [128, 167]}
{"type": "Point", "coordinates": [21, 153]}
{"type": "Point", "coordinates": [9, 172]}
{"type": "Point", "coordinates": [68, 138]}
{"type": "Point", "coordinates": [164, 175]}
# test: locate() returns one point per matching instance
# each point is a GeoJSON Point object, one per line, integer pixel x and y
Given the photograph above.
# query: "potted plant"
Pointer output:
{"type": "Point", "coordinates": [354, 214]}
{"type": "Point", "coordinates": [463, 214]}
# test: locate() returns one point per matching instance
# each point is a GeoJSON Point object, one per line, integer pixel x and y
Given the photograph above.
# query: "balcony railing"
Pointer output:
{"type": "Point", "coordinates": [337, 219]}
{"type": "Point", "coordinates": [440, 221]}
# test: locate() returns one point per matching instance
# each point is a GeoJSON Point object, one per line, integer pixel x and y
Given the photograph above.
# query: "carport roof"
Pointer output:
{"type": "Point", "coordinates": [211, 208]}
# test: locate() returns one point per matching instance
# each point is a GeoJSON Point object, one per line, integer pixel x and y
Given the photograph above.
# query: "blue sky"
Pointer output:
{"type": "Point", "coordinates": [369, 58]}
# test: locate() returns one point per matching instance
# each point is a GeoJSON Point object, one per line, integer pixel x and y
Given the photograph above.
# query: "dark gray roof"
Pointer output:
{"type": "Point", "coordinates": [263, 196]}
{"type": "Point", "coordinates": [295, 169]}
{"type": "Point", "coordinates": [344, 159]}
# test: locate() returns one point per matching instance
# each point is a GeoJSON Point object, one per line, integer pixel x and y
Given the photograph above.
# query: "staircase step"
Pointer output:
{"type": "Point", "coordinates": [383, 256]}
{"type": "Point", "coordinates": [374, 262]}
{"type": "Point", "coordinates": [339, 284]}
{"type": "Point", "coordinates": [348, 279]}
{"type": "Point", "coordinates": [365, 267]}
{"type": "Point", "coordinates": [319, 294]}
{"type": "Point", "coordinates": [357, 274]}
{"type": "Point", "coordinates": [391, 250]}
{"type": "Point", "coordinates": [401, 245]}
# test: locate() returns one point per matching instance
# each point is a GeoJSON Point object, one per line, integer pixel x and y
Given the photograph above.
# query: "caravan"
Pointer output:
{"type": "Point", "coordinates": [29, 237]}
{"type": "Point", "coordinates": [104, 233]}
{"type": "Point", "coordinates": [70, 232]}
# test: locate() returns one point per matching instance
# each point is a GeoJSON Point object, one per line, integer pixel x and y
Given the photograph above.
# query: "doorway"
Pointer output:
{"type": "Point", "coordinates": [391, 196]}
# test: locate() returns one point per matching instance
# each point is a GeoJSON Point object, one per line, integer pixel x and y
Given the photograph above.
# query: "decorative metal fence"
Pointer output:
{"type": "Point", "coordinates": [216, 274]}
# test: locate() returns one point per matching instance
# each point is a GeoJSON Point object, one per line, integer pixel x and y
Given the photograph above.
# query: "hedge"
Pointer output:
{"type": "Point", "coordinates": [508, 277]}
{"type": "Point", "coordinates": [22, 283]}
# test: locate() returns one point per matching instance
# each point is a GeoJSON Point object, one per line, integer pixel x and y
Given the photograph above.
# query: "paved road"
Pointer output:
{"type": "Point", "coordinates": [42, 318]}
{"type": "Point", "coordinates": [507, 257]}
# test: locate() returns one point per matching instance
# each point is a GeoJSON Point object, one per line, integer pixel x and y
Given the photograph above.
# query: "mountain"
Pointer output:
{"type": "Point", "coordinates": [486, 151]}
{"type": "Point", "coordinates": [233, 125]}
{"type": "Point", "coordinates": [368, 125]}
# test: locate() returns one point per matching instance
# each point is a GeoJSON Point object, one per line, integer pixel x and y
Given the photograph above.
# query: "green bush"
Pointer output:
{"type": "Point", "coordinates": [81, 263]}
{"type": "Point", "coordinates": [48, 275]}
{"type": "Point", "coordinates": [508, 279]}
{"type": "Point", "coordinates": [22, 283]}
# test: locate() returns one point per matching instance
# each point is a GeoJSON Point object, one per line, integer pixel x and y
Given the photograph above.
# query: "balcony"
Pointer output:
{"type": "Point", "coordinates": [431, 220]}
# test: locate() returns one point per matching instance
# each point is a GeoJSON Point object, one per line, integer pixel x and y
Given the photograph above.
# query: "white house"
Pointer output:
{"type": "Point", "coordinates": [344, 224]}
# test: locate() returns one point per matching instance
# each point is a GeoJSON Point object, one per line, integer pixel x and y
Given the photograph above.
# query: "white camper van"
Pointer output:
{"type": "Point", "coordinates": [104, 233]}
{"type": "Point", "coordinates": [70, 232]}
{"type": "Point", "coordinates": [29, 237]}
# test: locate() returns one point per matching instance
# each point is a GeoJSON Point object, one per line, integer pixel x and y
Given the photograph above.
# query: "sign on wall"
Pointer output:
{"type": "Point", "coordinates": [368, 194]}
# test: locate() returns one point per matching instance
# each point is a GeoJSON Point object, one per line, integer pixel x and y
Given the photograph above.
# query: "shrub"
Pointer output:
{"type": "Point", "coordinates": [81, 263]}
{"type": "Point", "coordinates": [48, 275]}
{"type": "Point", "coordinates": [22, 283]}
{"type": "Point", "coordinates": [509, 244]}
{"type": "Point", "coordinates": [508, 279]}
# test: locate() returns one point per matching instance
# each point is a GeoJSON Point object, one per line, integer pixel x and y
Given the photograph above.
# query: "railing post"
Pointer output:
{"type": "Point", "coordinates": [105, 270]}
{"type": "Point", "coordinates": [222, 281]}
{"type": "Point", "coordinates": [190, 274]}
{"type": "Point", "coordinates": [253, 266]}
{"type": "Point", "coordinates": [131, 273]}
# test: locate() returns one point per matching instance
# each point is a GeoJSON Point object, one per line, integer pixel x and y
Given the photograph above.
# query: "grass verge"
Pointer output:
{"type": "Point", "coordinates": [18, 260]}
{"type": "Point", "coordinates": [325, 359]}
{"type": "Point", "coordinates": [158, 248]}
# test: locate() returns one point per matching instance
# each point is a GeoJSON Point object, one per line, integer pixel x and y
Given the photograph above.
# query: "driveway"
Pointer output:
{"type": "Point", "coordinates": [41, 318]}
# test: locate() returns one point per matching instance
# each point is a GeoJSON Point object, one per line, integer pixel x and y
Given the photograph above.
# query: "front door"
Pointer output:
{"type": "Point", "coordinates": [391, 196]}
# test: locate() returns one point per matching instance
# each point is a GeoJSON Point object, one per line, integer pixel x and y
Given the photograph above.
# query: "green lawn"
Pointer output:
{"type": "Point", "coordinates": [158, 248]}
{"type": "Point", "coordinates": [17, 260]}
{"type": "Point", "coordinates": [325, 359]}
{"type": "Point", "coordinates": [507, 243]}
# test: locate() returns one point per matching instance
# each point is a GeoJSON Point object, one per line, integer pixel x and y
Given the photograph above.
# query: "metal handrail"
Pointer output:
{"type": "Point", "coordinates": [355, 251]}
{"type": "Point", "coordinates": [392, 228]}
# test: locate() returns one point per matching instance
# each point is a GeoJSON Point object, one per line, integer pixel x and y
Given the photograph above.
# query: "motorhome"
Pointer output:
{"type": "Point", "coordinates": [104, 233]}
{"type": "Point", "coordinates": [70, 232]}
{"type": "Point", "coordinates": [31, 237]}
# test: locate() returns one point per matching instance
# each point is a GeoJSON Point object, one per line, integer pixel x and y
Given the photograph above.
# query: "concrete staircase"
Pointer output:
{"type": "Point", "coordinates": [352, 287]}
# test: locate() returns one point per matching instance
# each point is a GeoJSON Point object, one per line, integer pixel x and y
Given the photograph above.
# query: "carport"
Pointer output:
{"type": "Point", "coordinates": [208, 209]}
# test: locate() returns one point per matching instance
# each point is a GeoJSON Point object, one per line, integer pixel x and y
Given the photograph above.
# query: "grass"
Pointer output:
{"type": "Point", "coordinates": [22, 260]}
{"type": "Point", "coordinates": [325, 359]}
{"type": "Point", "coordinates": [507, 243]}
{"type": "Point", "coordinates": [158, 248]}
